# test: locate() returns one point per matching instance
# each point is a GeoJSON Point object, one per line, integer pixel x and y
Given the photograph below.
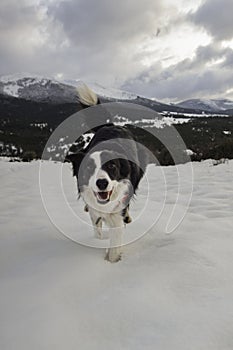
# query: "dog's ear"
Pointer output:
{"type": "Point", "coordinates": [136, 174]}
{"type": "Point", "coordinates": [124, 168]}
{"type": "Point", "coordinates": [76, 160]}
{"type": "Point", "coordinates": [143, 158]}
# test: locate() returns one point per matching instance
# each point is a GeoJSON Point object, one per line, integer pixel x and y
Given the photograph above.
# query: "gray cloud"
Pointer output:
{"type": "Point", "coordinates": [107, 34]}
{"type": "Point", "coordinates": [18, 14]}
{"type": "Point", "coordinates": [106, 23]}
{"type": "Point", "coordinates": [201, 76]}
{"type": "Point", "coordinates": [18, 20]}
{"type": "Point", "coordinates": [210, 83]}
{"type": "Point", "coordinates": [107, 41]}
{"type": "Point", "coordinates": [82, 39]}
{"type": "Point", "coordinates": [216, 17]}
{"type": "Point", "coordinates": [228, 63]}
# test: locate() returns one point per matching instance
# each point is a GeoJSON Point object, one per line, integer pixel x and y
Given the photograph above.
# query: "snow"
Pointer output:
{"type": "Point", "coordinates": [211, 104]}
{"type": "Point", "coordinates": [23, 76]}
{"type": "Point", "coordinates": [12, 89]}
{"type": "Point", "coordinates": [170, 291]}
{"type": "Point", "coordinates": [189, 152]}
{"type": "Point", "coordinates": [111, 92]}
{"type": "Point", "coordinates": [14, 83]}
{"type": "Point", "coordinates": [150, 123]}
{"type": "Point", "coordinates": [108, 92]}
{"type": "Point", "coordinates": [195, 115]}
{"type": "Point", "coordinates": [39, 125]}
{"type": "Point", "coordinates": [87, 138]}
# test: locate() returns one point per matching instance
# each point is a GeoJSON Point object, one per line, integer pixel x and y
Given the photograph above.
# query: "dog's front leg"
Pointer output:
{"type": "Point", "coordinates": [115, 232]}
{"type": "Point", "coordinates": [97, 224]}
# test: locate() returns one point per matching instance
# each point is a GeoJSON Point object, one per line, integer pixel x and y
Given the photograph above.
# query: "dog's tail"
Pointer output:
{"type": "Point", "coordinates": [86, 96]}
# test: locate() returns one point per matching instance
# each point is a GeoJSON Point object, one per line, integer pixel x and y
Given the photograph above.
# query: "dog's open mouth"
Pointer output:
{"type": "Point", "coordinates": [103, 196]}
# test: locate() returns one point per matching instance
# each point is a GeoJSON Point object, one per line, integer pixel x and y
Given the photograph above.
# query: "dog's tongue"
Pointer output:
{"type": "Point", "coordinates": [103, 195]}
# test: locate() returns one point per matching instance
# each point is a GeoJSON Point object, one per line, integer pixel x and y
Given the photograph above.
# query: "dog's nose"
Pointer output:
{"type": "Point", "coordinates": [102, 184]}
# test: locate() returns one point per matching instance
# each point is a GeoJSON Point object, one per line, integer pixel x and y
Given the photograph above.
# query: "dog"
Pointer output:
{"type": "Point", "coordinates": [108, 173]}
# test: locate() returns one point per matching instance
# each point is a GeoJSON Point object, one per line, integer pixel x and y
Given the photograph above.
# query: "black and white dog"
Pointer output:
{"type": "Point", "coordinates": [108, 172]}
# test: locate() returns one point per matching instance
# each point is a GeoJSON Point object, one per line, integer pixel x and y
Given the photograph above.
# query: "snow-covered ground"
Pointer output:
{"type": "Point", "coordinates": [170, 291]}
{"type": "Point", "coordinates": [151, 123]}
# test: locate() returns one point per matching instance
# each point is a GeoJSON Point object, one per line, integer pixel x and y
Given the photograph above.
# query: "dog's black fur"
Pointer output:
{"type": "Point", "coordinates": [133, 161]}
{"type": "Point", "coordinates": [129, 164]}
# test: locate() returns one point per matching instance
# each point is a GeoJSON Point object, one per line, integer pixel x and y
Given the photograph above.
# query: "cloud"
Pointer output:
{"type": "Point", "coordinates": [105, 24]}
{"type": "Point", "coordinates": [20, 24]}
{"type": "Point", "coordinates": [19, 32]}
{"type": "Point", "coordinates": [155, 48]}
{"type": "Point", "coordinates": [107, 36]}
{"type": "Point", "coordinates": [208, 74]}
{"type": "Point", "coordinates": [216, 17]}
{"type": "Point", "coordinates": [29, 40]}
{"type": "Point", "coordinates": [81, 39]}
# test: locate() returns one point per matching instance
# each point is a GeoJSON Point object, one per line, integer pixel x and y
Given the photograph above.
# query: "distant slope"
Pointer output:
{"type": "Point", "coordinates": [163, 107]}
{"type": "Point", "coordinates": [106, 92]}
{"type": "Point", "coordinates": [212, 105]}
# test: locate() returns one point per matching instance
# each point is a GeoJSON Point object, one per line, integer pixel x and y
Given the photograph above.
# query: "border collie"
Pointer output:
{"type": "Point", "coordinates": [108, 172]}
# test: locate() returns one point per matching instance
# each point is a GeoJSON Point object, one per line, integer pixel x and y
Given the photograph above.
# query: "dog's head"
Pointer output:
{"type": "Point", "coordinates": [103, 177]}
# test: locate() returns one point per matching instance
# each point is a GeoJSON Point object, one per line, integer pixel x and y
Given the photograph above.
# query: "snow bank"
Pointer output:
{"type": "Point", "coordinates": [169, 291]}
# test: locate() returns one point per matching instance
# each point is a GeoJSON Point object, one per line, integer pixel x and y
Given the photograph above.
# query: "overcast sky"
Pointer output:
{"type": "Point", "coordinates": [166, 49]}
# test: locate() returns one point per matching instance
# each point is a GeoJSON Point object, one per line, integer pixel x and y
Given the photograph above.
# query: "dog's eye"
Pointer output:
{"type": "Point", "coordinates": [111, 166]}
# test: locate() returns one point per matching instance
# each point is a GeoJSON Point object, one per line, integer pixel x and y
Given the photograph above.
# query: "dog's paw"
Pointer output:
{"type": "Point", "coordinates": [127, 219]}
{"type": "Point", "coordinates": [112, 256]}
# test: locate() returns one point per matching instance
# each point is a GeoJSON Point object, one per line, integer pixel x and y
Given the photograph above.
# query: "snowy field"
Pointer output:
{"type": "Point", "coordinates": [170, 291]}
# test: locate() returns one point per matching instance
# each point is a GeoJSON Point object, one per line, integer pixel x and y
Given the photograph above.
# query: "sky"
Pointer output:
{"type": "Point", "coordinates": [169, 50]}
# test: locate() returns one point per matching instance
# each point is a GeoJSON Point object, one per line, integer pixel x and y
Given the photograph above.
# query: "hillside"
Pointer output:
{"type": "Point", "coordinates": [25, 126]}
{"type": "Point", "coordinates": [212, 105]}
{"type": "Point", "coordinates": [32, 107]}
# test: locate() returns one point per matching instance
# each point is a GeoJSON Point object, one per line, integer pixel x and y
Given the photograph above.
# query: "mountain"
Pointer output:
{"type": "Point", "coordinates": [43, 89]}
{"type": "Point", "coordinates": [37, 88]}
{"type": "Point", "coordinates": [212, 105]}
{"type": "Point", "coordinates": [40, 89]}
{"type": "Point", "coordinates": [106, 92]}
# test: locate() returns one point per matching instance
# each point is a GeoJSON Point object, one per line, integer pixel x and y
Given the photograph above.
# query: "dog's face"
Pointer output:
{"type": "Point", "coordinates": [103, 179]}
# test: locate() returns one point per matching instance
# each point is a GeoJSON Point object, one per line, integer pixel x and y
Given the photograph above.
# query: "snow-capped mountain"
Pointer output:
{"type": "Point", "coordinates": [107, 92]}
{"type": "Point", "coordinates": [43, 89]}
{"type": "Point", "coordinates": [37, 88]}
{"type": "Point", "coordinates": [212, 105]}
{"type": "Point", "coordinates": [46, 89]}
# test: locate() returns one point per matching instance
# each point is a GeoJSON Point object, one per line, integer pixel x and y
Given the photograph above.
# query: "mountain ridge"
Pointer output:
{"type": "Point", "coordinates": [211, 105]}
{"type": "Point", "coordinates": [49, 90]}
